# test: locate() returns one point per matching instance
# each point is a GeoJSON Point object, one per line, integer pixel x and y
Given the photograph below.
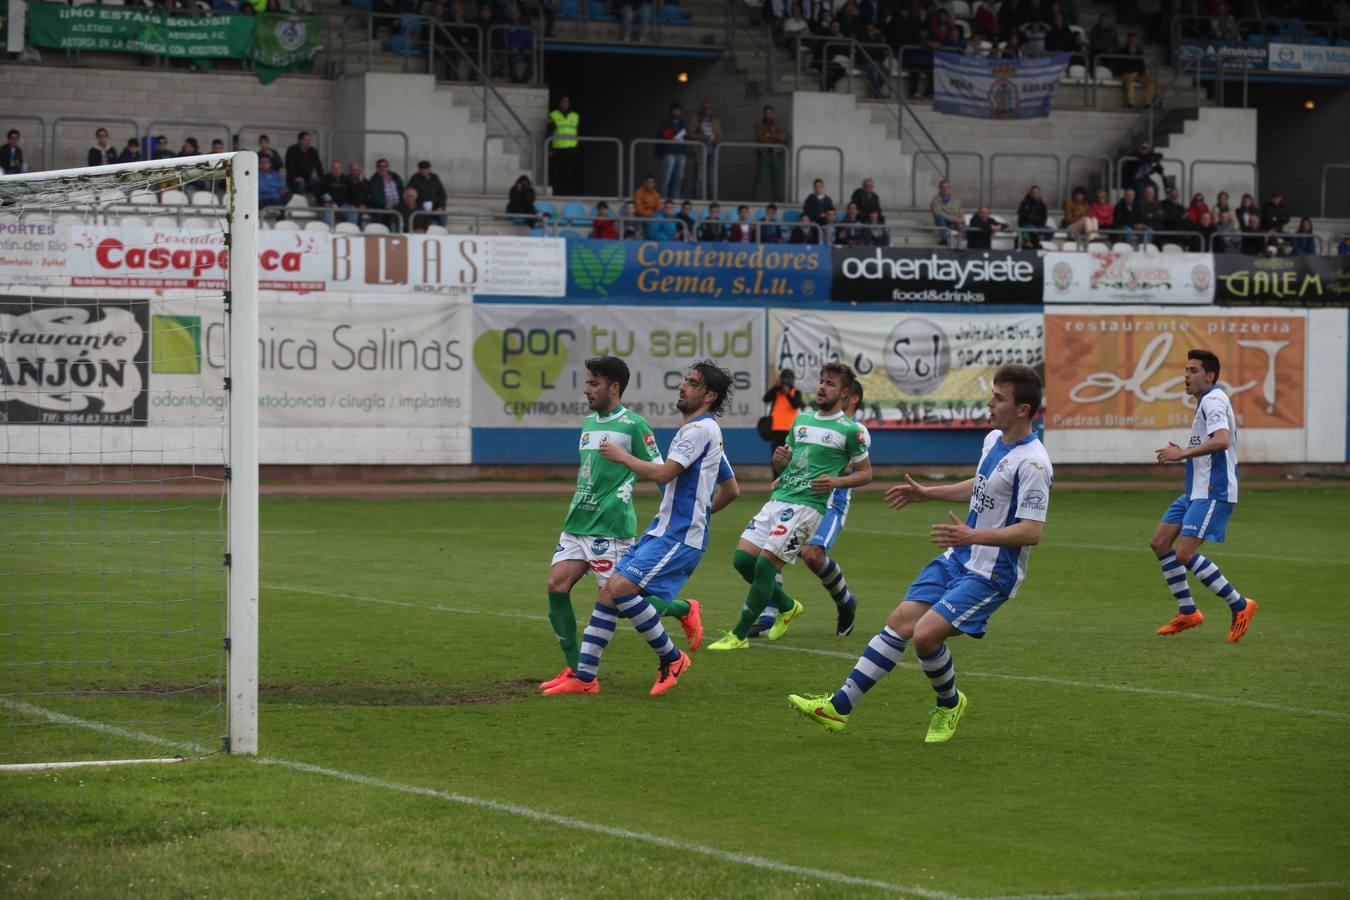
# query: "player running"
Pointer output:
{"type": "Point", "coordinates": [982, 567]}
{"type": "Point", "coordinates": [601, 523]}
{"type": "Point", "coordinates": [820, 446]}
{"type": "Point", "coordinates": [1201, 512]}
{"type": "Point", "coordinates": [662, 561]}
{"type": "Point", "coordinates": [816, 552]}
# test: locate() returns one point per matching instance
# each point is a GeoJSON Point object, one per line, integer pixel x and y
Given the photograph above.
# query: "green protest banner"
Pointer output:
{"type": "Point", "coordinates": [282, 43]}
{"type": "Point", "coordinates": [112, 29]}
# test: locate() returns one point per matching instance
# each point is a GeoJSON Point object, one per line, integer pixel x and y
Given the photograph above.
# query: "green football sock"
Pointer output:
{"type": "Point", "coordinates": [781, 601]}
{"type": "Point", "coordinates": [762, 591]}
{"type": "Point", "coordinates": [745, 564]}
{"type": "Point", "coordinates": [564, 622]}
{"type": "Point", "coordinates": [670, 608]}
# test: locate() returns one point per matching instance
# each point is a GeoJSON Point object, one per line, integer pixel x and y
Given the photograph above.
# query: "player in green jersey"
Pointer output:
{"type": "Point", "coordinates": [823, 445]}
{"type": "Point", "coordinates": [601, 523]}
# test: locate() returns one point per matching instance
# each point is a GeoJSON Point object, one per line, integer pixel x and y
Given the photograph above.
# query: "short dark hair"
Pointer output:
{"type": "Point", "coordinates": [610, 368]}
{"type": "Point", "coordinates": [846, 377]}
{"type": "Point", "coordinates": [1026, 385]}
{"type": "Point", "coordinates": [1208, 361]}
{"type": "Point", "coordinates": [13, 132]}
{"type": "Point", "coordinates": [717, 380]}
{"type": "Point", "coordinates": [263, 137]}
{"type": "Point", "coordinates": [302, 135]}
{"type": "Point", "coordinates": [857, 391]}
{"type": "Point", "coordinates": [381, 162]}
{"type": "Point", "coordinates": [602, 205]}
{"type": "Point", "coordinates": [769, 106]}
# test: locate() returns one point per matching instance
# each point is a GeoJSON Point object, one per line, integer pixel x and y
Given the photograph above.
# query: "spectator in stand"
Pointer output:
{"type": "Point", "coordinates": [805, 231]}
{"type": "Point", "coordinates": [430, 192]}
{"type": "Point", "coordinates": [304, 169]}
{"type": "Point", "coordinates": [919, 63]}
{"type": "Point", "coordinates": [335, 189]}
{"type": "Point", "coordinates": [1123, 220]}
{"type": "Point", "coordinates": [818, 203]}
{"type": "Point", "coordinates": [1225, 238]}
{"type": "Point", "coordinates": [602, 226]}
{"type": "Point", "coordinates": [672, 155]}
{"type": "Point", "coordinates": [708, 129]}
{"type": "Point", "coordinates": [1273, 215]}
{"type": "Point", "coordinates": [408, 207]}
{"type": "Point", "coordinates": [1148, 213]}
{"type": "Point", "coordinates": [713, 228]}
{"type": "Point", "coordinates": [190, 148]}
{"type": "Point", "coordinates": [1078, 217]}
{"type": "Point", "coordinates": [358, 188]}
{"type": "Point", "coordinates": [1245, 205]}
{"type": "Point", "coordinates": [639, 9]}
{"type": "Point", "coordinates": [1249, 225]}
{"type": "Point", "coordinates": [1204, 234]}
{"type": "Point", "coordinates": [947, 212]}
{"type": "Point", "coordinates": [1033, 37]}
{"type": "Point", "coordinates": [1198, 208]}
{"type": "Point", "coordinates": [769, 162]}
{"type": "Point", "coordinates": [774, 13]}
{"type": "Point", "coordinates": [900, 30]}
{"type": "Point", "coordinates": [162, 150]}
{"type": "Point", "coordinates": [986, 23]}
{"type": "Point", "coordinates": [829, 229]}
{"type": "Point", "coordinates": [877, 233]}
{"type": "Point", "coordinates": [875, 59]}
{"type": "Point", "coordinates": [386, 187]}
{"type": "Point", "coordinates": [632, 228]}
{"type": "Point", "coordinates": [771, 230]}
{"type": "Point", "coordinates": [647, 199]}
{"type": "Point", "coordinates": [217, 145]}
{"type": "Point", "coordinates": [271, 184]}
{"type": "Point", "coordinates": [1343, 247]}
{"type": "Point", "coordinates": [795, 27]}
{"type": "Point", "coordinates": [980, 231]}
{"type": "Point", "coordinates": [866, 199]}
{"type": "Point", "coordinates": [1013, 48]}
{"type": "Point", "coordinates": [846, 17]}
{"type": "Point", "coordinates": [463, 31]}
{"type": "Point", "coordinates": [1220, 204]}
{"type": "Point", "coordinates": [1102, 39]}
{"type": "Point", "coordinates": [1139, 170]}
{"type": "Point", "coordinates": [1061, 38]}
{"type": "Point", "coordinates": [1102, 211]}
{"type": "Point", "coordinates": [1032, 216]}
{"type": "Point", "coordinates": [663, 223]}
{"type": "Point", "coordinates": [849, 232]}
{"type": "Point", "coordinates": [102, 153]}
{"type": "Point", "coordinates": [265, 149]}
{"type": "Point", "coordinates": [564, 151]}
{"type": "Point", "coordinates": [1174, 216]}
{"type": "Point", "coordinates": [1304, 242]}
{"type": "Point", "coordinates": [11, 155]}
{"type": "Point", "coordinates": [519, 47]}
{"type": "Point", "coordinates": [1224, 25]}
{"type": "Point", "coordinates": [520, 201]}
{"type": "Point", "coordinates": [743, 229]}
{"type": "Point", "coordinates": [1132, 71]}
{"type": "Point", "coordinates": [131, 152]}
{"type": "Point", "coordinates": [686, 225]}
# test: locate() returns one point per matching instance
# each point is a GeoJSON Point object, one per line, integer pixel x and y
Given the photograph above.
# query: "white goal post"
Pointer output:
{"type": "Point", "coordinates": [129, 462]}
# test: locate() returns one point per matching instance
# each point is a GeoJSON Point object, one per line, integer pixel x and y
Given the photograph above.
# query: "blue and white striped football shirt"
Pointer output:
{"type": "Point", "coordinates": [686, 502]}
{"type": "Point", "coordinates": [1213, 476]}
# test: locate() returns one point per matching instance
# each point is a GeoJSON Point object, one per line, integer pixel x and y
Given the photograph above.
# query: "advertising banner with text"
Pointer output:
{"type": "Point", "coordinates": [1116, 370]}
{"type": "Point", "coordinates": [677, 270]}
{"type": "Point", "coordinates": [322, 364]}
{"type": "Point", "coordinates": [1282, 280]}
{"type": "Point", "coordinates": [529, 360]}
{"type": "Point", "coordinates": [918, 371]}
{"type": "Point", "coordinates": [1109, 277]}
{"type": "Point", "coordinates": [95, 256]}
{"type": "Point", "coordinates": [960, 277]}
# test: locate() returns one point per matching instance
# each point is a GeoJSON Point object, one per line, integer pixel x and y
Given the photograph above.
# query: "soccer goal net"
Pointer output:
{"type": "Point", "coordinates": [128, 461]}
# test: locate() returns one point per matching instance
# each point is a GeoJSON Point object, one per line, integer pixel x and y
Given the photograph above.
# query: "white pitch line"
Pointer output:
{"type": "Point", "coordinates": [1035, 679]}
{"type": "Point", "coordinates": [758, 862]}
{"type": "Point", "coordinates": [1141, 548]}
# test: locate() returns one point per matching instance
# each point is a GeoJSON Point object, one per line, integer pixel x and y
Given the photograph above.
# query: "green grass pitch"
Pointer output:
{"type": "Point", "coordinates": [401, 642]}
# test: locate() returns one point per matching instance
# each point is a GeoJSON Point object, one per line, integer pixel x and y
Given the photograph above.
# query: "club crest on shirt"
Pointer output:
{"type": "Point", "coordinates": [786, 515]}
{"type": "Point", "coordinates": [600, 546]}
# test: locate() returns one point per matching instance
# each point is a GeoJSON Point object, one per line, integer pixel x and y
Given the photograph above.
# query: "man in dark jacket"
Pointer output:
{"type": "Point", "coordinates": [102, 153]}
{"type": "Point", "coordinates": [304, 170]}
{"type": "Point", "coordinates": [1031, 218]}
{"type": "Point", "coordinates": [672, 128]}
{"type": "Point", "coordinates": [980, 231]}
{"type": "Point", "coordinates": [1123, 218]}
{"type": "Point", "coordinates": [817, 204]}
{"type": "Point", "coordinates": [1273, 215]}
{"type": "Point", "coordinates": [1173, 216]}
{"type": "Point", "coordinates": [867, 199]}
{"type": "Point", "coordinates": [131, 152]}
{"type": "Point", "coordinates": [429, 189]}
{"type": "Point", "coordinates": [1148, 213]}
{"type": "Point", "coordinates": [386, 188]}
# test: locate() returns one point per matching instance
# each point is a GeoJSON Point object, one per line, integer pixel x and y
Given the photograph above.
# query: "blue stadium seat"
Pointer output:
{"type": "Point", "coordinates": [410, 24]}
{"type": "Point", "coordinates": [759, 214]}
{"type": "Point", "coordinates": [673, 15]}
{"type": "Point", "coordinates": [545, 207]}
{"type": "Point", "coordinates": [1256, 38]}
{"type": "Point", "coordinates": [572, 234]}
{"type": "Point", "coordinates": [568, 10]}
{"type": "Point", "coordinates": [792, 215]}
{"type": "Point", "coordinates": [403, 47]}
{"type": "Point", "coordinates": [537, 232]}
{"type": "Point", "coordinates": [598, 11]}
{"type": "Point", "coordinates": [572, 213]}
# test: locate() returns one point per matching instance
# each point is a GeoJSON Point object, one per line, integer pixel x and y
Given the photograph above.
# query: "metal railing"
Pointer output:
{"type": "Point", "coordinates": [367, 132]}
{"type": "Point", "coordinates": [54, 142]}
{"type": "Point", "coordinates": [1326, 170]}
{"type": "Point", "coordinates": [45, 157]}
{"type": "Point", "coordinates": [1104, 172]}
{"type": "Point", "coordinates": [588, 139]}
{"type": "Point", "coordinates": [797, 167]}
{"type": "Point", "coordinates": [751, 145]}
{"type": "Point", "coordinates": [1196, 163]}
{"type": "Point", "coordinates": [1020, 154]}
{"type": "Point", "coordinates": [501, 57]}
{"type": "Point", "coordinates": [633, 145]}
{"type": "Point", "coordinates": [946, 158]}
{"type": "Point", "coordinates": [1180, 180]}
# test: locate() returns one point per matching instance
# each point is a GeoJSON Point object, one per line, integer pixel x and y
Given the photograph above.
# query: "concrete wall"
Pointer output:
{"type": "Point", "coordinates": [837, 119]}
{"type": "Point", "coordinates": [1223, 134]}
{"type": "Point", "coordinates": [1296, 143]}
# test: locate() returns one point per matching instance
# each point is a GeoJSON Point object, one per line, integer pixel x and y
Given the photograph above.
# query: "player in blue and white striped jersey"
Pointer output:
{"type": "Point", "coordinates": [663, 559]}
{"type": "Point", "coordinates": [816, 553]}
{"type": "Point", "coordinates": [1201, 513]}
{"type": "Point", "coordinates": [982, 567]}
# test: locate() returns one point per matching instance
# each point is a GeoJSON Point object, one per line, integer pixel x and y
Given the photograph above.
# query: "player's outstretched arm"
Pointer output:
{"type": "Point", "coordinates": [955, 533]}
{"type": "Point", "coordinates": [727, 491]}
{"type": "Point", "coordinates": [1217, 443]}
{"type": "Point", "coordinates": [662, 472]}
{"type": "Point", "coordinates": [901, 495]}
{"type": "Point", "coordinates": [861, 475]}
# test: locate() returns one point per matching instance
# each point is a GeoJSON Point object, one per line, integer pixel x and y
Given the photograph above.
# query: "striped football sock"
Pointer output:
{"type": "Point", "coordinates": [1174, 573]}
{"type": "Point", "coordinates": [941, 675]}
{"type": "Point", "coordinates": [599, 632]}
{"type": "Point", "coordinates": [876, 662]}
{"type": "Point", "coordinates": [832, 576]}
{"type": "Point", "coordinates": [1212, 578]}
{"type": "Point", "coordinates": [647, 621]}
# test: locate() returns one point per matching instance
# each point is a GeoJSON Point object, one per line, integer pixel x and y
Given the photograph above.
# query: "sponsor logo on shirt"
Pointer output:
{"type": "Point", "coordinates": [585, 438]}
{"type": "Point", "coordinates": [787, 514]}
{"type": "Point", "coordinates": [600, 546]}
{"type": "Point", "coordinates": [980, 501]}
{"type": "Point", "coordinates": [1002, 465]}
{"type": "Point", "coordinates": [778, 531]}
{"type": "Point", "coordinates": [1033, 500]}
{"type": "Point", "coordinates": [601, 566]}
{"type": "Point", "coordinates": [801, 432]}
{"type": "Point", "coordinates": [650, 441]}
